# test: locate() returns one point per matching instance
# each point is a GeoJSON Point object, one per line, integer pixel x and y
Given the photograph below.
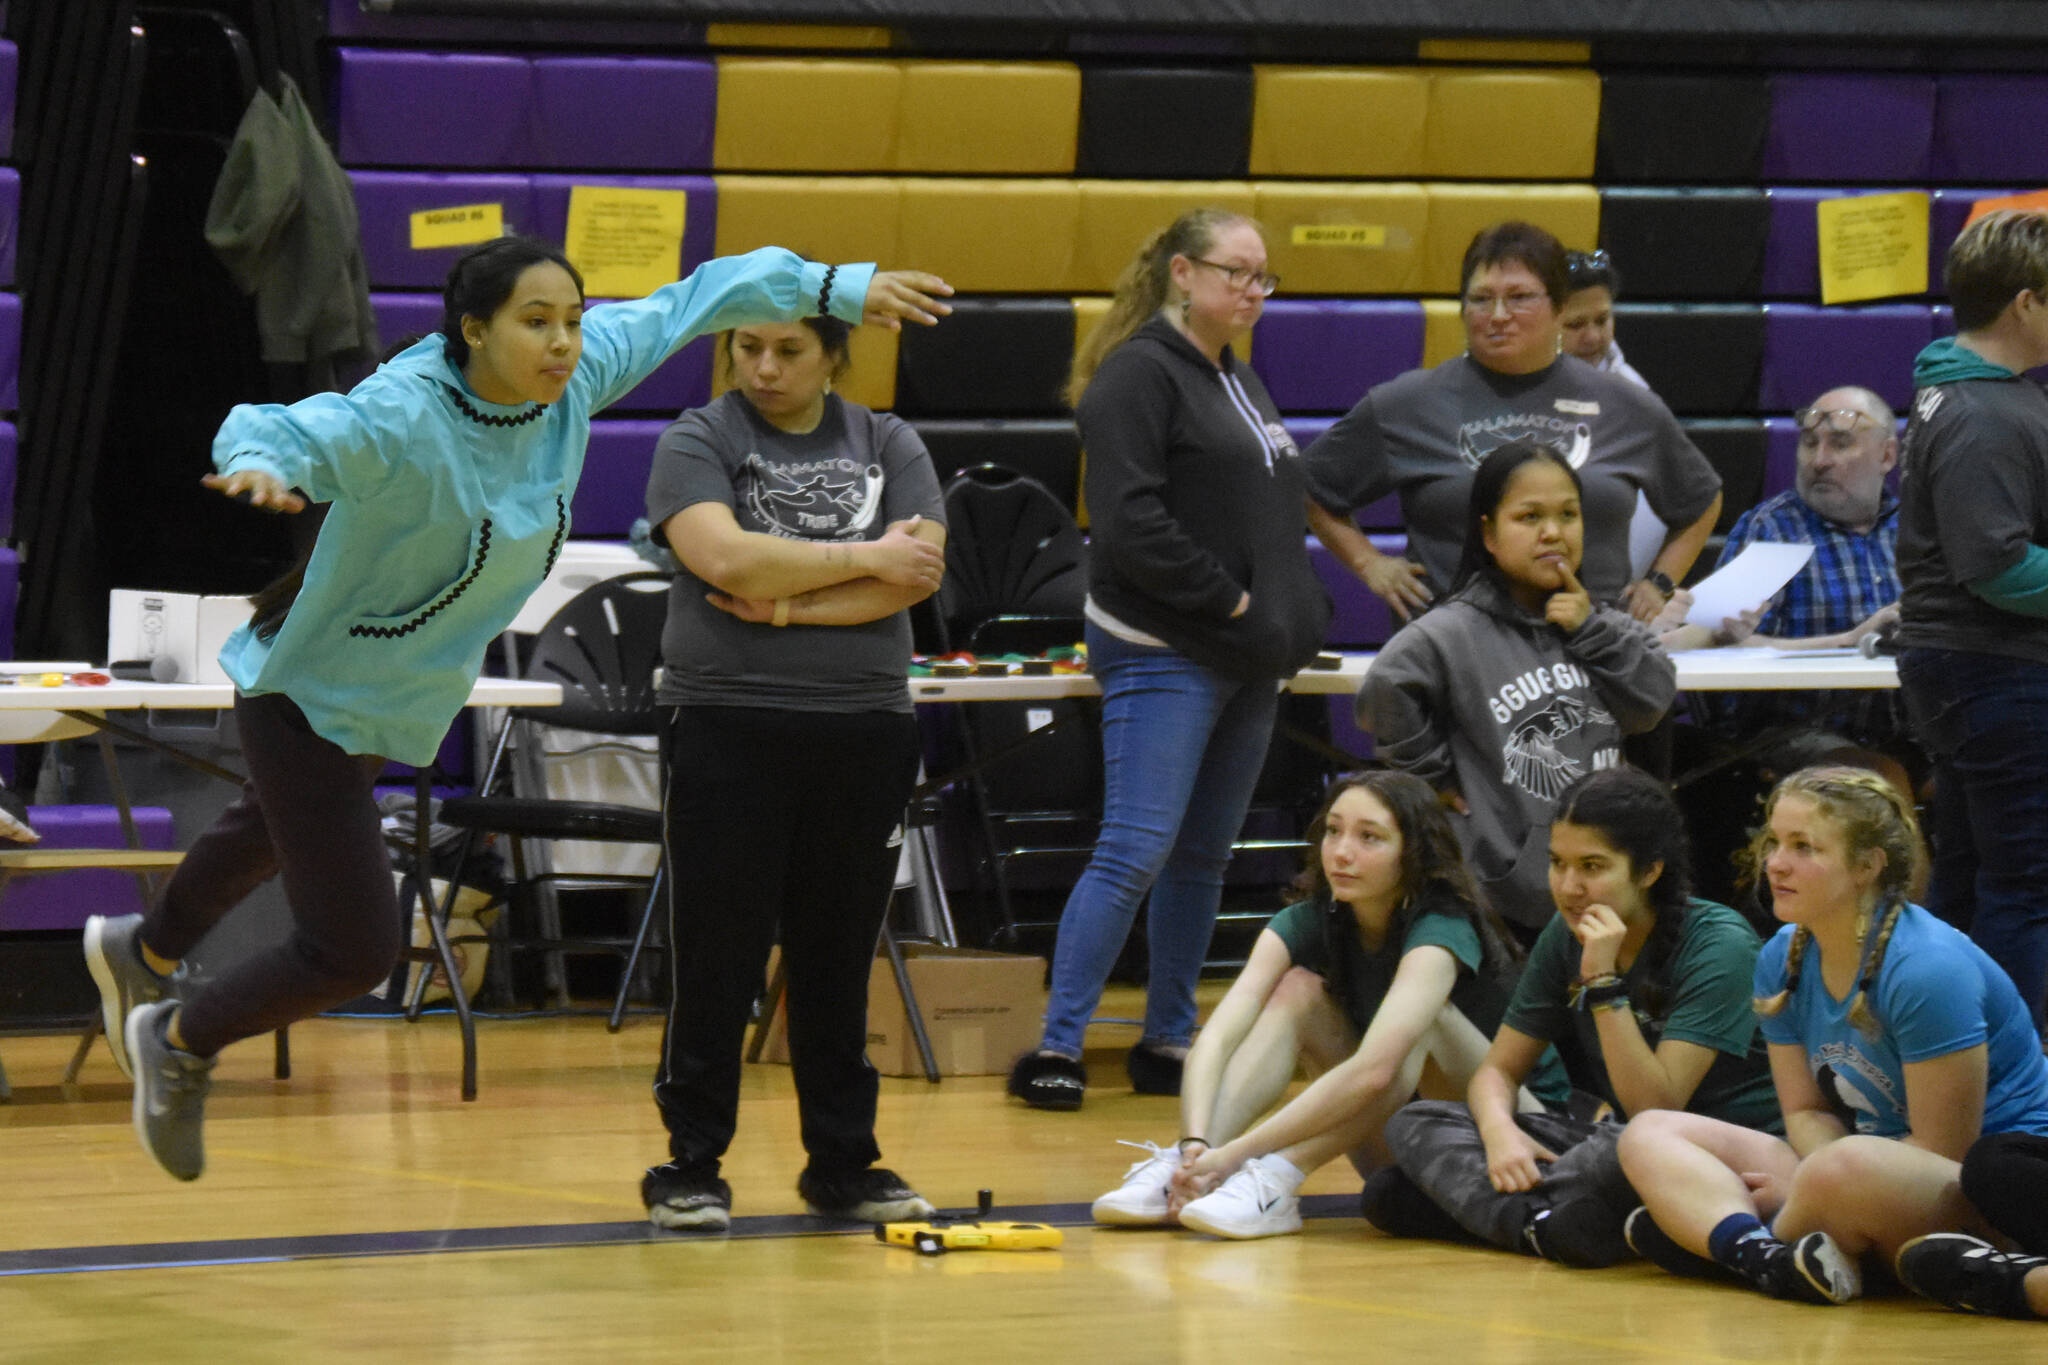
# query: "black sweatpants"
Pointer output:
{"type": "Point", "coordinates": [309, 814]}
{"type": "Point", "coordinates": [778, 820]}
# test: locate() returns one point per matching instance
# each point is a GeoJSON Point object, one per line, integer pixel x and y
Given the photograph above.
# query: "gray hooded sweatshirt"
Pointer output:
{"type": "Point", "coordinates": [1479, 697]}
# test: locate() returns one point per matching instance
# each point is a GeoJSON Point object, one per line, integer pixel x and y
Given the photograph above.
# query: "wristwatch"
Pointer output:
{"type": "Point", "coordinates": [1661, 581]}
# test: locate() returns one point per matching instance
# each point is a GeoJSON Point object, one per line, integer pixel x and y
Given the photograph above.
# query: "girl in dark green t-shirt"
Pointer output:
{"type": "Point", "coordinates": [1386, 979]}
{"type": "Point", "coordinates": [1654, 986]}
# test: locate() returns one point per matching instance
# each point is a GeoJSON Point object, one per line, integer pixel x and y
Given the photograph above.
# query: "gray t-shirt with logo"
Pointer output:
{"type": "Point", "coordinates": [1422, 434]}
{"type": "Point", "coordinates": [846, 480]}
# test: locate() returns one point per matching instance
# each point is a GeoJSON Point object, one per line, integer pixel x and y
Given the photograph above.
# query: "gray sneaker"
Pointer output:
{"type": "Point", "coordinates": [115, 960]}
{"type": "Point", "coordinates": [170, 1093]}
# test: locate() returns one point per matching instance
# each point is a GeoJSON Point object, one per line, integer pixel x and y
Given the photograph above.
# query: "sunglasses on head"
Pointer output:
{"type": "Point", "coordinates": [1842, 420]}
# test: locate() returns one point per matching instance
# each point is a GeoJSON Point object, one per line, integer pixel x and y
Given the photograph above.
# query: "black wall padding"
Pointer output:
{"type": "Point", "coordinates": [1702, 359]}
{"type": "Point", "coordinates": [1046, 448]}
{"type": "Point", "coordinates": [1680, 129]}
{"type": "Point", "coordinates": [991, 358]}
{"type": "Point", "coordinates": [1166, 123]}
{"type": "Point", "coordinates": [1736, 449]}
{"type": "Point", "coordinates": [1686, 244]}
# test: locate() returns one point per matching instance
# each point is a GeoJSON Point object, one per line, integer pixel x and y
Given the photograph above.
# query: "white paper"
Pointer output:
{"type": "Point", "coordinates": [1746, 582]}
{"type": "Point", "coordinates": [1646, 535]}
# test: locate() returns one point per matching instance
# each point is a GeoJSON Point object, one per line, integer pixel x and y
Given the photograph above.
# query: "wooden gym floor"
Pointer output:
{"type": "Point", "coordinates": [361, 1208]}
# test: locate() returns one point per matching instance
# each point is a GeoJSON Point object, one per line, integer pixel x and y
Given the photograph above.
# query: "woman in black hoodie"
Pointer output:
{"type": "Point", "coordinates": [1200, 599]}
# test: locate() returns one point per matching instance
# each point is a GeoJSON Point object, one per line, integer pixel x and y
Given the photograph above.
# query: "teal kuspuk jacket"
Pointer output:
{"type": "Point", "coordinates": [447, 511]}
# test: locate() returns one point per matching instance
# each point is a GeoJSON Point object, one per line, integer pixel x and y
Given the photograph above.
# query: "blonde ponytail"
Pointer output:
{"type": "Point", "coordinates": [1142, 288]}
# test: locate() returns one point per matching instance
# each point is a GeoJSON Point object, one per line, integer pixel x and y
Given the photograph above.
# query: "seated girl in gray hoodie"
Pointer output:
{"type": "Point", "coordinates": [1516, 684]}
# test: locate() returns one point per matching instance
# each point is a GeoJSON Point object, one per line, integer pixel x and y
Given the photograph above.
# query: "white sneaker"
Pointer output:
{"type": "Point", "coordinates": [1251, 1203]}
{"type": "Point", "coordinates": [1140, 1202]}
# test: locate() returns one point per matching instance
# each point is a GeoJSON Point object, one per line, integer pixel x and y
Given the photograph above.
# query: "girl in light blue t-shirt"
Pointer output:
{"type": "Point", "coordinates": [1895, 1044]}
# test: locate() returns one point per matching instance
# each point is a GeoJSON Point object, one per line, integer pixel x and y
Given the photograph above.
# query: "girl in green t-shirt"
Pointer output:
{"type": "Point", "coordinates": [1374, 980]}
{"type": "Point", "coordinates": [1654, 987]}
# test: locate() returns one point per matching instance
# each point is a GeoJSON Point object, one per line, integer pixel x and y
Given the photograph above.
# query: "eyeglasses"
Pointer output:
{"type": "Point", "coordinates": [1520, 302]}
{"type": "Point", "coordinates": [1242, 277]}
{"type": "Point", "coordinates": [1842, 421]}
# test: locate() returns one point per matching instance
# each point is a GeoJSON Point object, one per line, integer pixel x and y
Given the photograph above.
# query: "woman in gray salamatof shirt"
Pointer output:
{"type": "Point", "coordinates": [806, 526]}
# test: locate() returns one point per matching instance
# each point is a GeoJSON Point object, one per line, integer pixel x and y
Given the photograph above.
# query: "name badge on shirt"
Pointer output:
{"type": "Point", "coordinates": [1577, 407]}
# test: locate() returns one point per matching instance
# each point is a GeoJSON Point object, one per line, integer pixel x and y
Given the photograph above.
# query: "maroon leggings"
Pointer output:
{"type": "Point", "coordinates": [309, 814]}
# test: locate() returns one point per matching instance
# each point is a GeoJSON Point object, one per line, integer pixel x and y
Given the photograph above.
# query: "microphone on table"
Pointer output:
{"type": "Point", "coordinates": [1878, 642]}
{"type": "Point", "coordinates": [163, 668]}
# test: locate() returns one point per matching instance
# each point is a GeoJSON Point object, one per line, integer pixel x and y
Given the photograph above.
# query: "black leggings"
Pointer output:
{"type": "Point", "coordinates": [2005, 1175]}
{"type": "Point", "coordinates": [309, 814]}
{"type": "Point", "coordinates": [778, 818]}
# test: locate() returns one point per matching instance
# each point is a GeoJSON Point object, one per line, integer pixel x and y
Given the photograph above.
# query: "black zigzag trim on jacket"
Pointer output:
{"type": "Point", "coordinates": [561, 534]}
{"type": "Point", "coordinates": [538, 410]}
{"type": "Point", "coordinates": [483, 549]}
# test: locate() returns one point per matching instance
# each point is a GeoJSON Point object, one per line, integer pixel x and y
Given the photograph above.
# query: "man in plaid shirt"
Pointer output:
{"type": "Point", "coordinates": [1848, 443]}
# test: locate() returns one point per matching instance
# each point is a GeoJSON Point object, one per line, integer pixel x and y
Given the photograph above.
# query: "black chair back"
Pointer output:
{"type": "Point", "coordinates": [1012, 549]}
{"type": "Point", "coordinates": [603, 648]}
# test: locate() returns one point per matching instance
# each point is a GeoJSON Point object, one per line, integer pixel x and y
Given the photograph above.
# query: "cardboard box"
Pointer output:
{"type": "Point", "coordinates": [981, 1010]}
{"type": "Point", "coordinates": [183, 627]}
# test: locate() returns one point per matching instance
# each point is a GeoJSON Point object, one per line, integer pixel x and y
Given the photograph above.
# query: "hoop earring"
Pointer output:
{"type": "Point", "coordinates": [1185, 304]}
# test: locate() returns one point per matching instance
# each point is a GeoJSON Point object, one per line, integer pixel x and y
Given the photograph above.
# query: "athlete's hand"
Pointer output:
{"type": "Point", "coordinates": [760, 612]}
{"type": "Point", "coordinates": [1599, 932]}
{"type": "Point", "coordinates": [1514, 1161]}
{"type": "Point", "coordinates": [258, 489]}
{"type": "Point", "coordinates": [897, 296]}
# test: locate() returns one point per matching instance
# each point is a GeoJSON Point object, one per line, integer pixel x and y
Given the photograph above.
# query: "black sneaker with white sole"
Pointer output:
{"type": "Point", "coordinates": [686, 1200]}
{"type": "Point", "coordinates": [1049, 1082]}
{"type": "Point", "coordinates": [874, 1195]}
{"type": "Point", "coordinates": [1968, 1273]}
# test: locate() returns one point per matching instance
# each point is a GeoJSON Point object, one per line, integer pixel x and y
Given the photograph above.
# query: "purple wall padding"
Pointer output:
{"type": "Point", "coordinates": [10, 219]}
{"type": "Point", "coordinates": [1359, 619]}
{"type": "Point", "coordinates": [629, 113]}
{"type": "Point", "coordinates": [1809, 349]}
{"type": "Point", "coordinates": [1853, 126]}
{"type": "Point", "coordinates": [613, 491]}
{"type": "Point", "coordinates": [1321, 355]}
{"type": "Point", "coordinates": [1384, 515]}
{"type": "Point", "coordinates": [452, 758]}
{"type": "Point", "coordinates": [386, 201]}
{"type": "Point", "coordinates": [400, 108]}
{"type": "Point", "coordinates": [62, 900]}
{"type": "Point", "coordinates": [10, 61]}
{"type": "Point", "coordinates": [10, 352]}
{"type": "Point", "coordinates": [400, 315]}
{"type": "Point", "coordinates": [9, 462]}
{"type": "Point", "coordinates": [1988, 127]}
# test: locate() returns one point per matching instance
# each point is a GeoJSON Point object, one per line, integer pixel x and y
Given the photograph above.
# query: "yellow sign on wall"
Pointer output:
{"type": "Point", "coordinates": [627, 242]}
{"type": "Point", "coordinates": [1873, 247]}
{"type": "Point", "coordinates": [461, 225]}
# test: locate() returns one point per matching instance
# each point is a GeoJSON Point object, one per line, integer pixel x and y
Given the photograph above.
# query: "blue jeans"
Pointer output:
{"type": "Point", "coordinates": [1181, 749]}
{"type": "Point", "coordinates": [1983, 719]}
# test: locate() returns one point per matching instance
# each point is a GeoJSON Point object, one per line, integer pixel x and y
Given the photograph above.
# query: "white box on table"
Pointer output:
{"type": "Point", "coordinates": [184, 627]}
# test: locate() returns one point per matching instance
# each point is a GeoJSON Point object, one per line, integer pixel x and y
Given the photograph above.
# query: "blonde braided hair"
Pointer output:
{"type": "Point", "coordinates": [1873, 815]}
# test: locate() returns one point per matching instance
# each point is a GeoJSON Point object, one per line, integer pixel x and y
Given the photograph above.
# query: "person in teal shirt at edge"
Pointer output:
{"type": "Point", "coordinates": [449, 472]}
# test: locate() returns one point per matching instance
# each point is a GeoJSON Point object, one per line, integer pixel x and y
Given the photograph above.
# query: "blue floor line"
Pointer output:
{"type": "Point", "coordinates": [427, 1242]}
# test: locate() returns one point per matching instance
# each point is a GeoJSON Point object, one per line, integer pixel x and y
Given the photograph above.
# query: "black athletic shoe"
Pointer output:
{"type": "Point", "coordinates": [1048, 1082]}
{"type": "Point", "coordinates": [875, 1195]}
{"type": "Point", "coordinates": [1582, 1233]}
{"type": "Point", "coordinates": [1968, 1273]}
{"type": "Point", "coordinates": [686, 1200]}
{"type": "Point", "coordinates": [1152, 1072]}
{"type": "Point", "coordinates": [1810, 1270]}
{"type": "Point", "coordinates": [1649, 1241]}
